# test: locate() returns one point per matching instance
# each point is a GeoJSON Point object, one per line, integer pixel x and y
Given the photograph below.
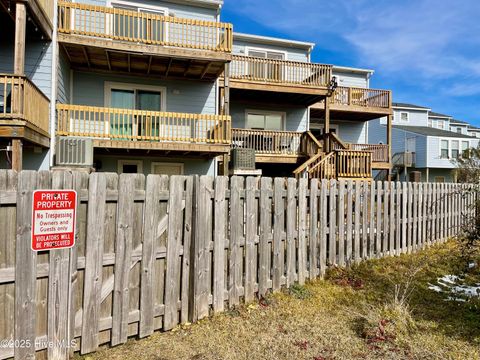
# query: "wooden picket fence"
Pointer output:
{"type": "Point", "coordinates": [153, 253]}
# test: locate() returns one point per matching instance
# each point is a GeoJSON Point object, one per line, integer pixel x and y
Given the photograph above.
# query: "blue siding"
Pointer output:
{"type": "Point", "coordinates": [182, 96]}
{"type": "Point", "coordinates": [296, 117]}
{"type": "Point", "coordinates": [38, 57]}
{"type": "Point", "coordinates": [293, 54]}
{"type": "Point", "coordinates": [63, 80]}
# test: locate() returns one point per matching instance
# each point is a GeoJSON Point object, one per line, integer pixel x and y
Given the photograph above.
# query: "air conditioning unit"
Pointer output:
{"type": "Point", "coordinates": [73, 151]}
{"type": "Point", "coordinates": [243, 159]}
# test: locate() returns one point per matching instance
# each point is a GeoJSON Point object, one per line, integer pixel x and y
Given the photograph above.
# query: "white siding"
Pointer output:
{"type": "Point", "coordinates": [293, 54]}
{"type": "Point", "coordinates": [350, 79]}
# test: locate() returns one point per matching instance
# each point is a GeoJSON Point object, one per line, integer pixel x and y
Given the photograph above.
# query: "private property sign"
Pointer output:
{"type": "Point", "coordinates": [53, 221]}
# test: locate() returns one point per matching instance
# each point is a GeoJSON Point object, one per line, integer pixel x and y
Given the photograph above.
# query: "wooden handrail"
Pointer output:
{"type": "Point", "coordinates": [324, 168]}
{"type": "Point", "coordinates": [304, 167]}
{"type": "Point", "coordinates": [142, 27]}
{"type": "Point", "coordinates": [374, 98]}
{"type": "Point", "coordinates": [140, 125]}
{"type": "Point", "coordinates": [379, 151]}
{"type": "Point", "coordinates": [22, 99]}
{"type": "Point", "coordinates": [354, 164]}
{"type": "Point", "coordinates": [283, 72]}
{"type": "Point", "coordinates": [310, 144]}
{"type": "Point", "coordinates": [268, 141]}
{"type": "Point", "coordinates": [335, 142]}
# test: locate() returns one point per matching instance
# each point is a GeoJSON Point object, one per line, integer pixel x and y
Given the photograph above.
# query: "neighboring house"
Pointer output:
{"type": "Point", "coordinates": [164, 87]}
{"type": "Point", "coordinates": [424, 141]}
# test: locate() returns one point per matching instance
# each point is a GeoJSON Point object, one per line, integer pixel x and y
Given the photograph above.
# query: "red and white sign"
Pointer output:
{"type": "Point", "coordinates": [53, 221]}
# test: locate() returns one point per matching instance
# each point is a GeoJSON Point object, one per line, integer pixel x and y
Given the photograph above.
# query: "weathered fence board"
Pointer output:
{"type": "Point", "coordinates": [153, 253]}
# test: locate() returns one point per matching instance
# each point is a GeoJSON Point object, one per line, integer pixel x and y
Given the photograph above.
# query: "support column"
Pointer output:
{"type": "Point", "coordinates": [226, 110]}
{"type": "Point", "coordinates": [326, 126]}
{"type": "Point", "coordinates": [19, 69]}
{"type": "Point", "coordinates": [17, 154]}
{"type": "Point", "coordinates": [389, 143]}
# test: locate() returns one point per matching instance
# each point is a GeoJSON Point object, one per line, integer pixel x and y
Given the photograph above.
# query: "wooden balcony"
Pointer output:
{"type": "Point", "coordinates": [112, 39]}
{"type": "Point", "coordinates": [24, 110]}
{"type": "Point", "coordinates": [380, 159]}
{"type": "Point", "coordinates": [350, 103]}
{"type": "Point", "coordinates": [300, 82]}
{"type": "Point", "coordinates": [40, 12]}
{"type": "Point", "coordinates": [270, 146]}
{"type": "Point", "coordinates": [176, 133]}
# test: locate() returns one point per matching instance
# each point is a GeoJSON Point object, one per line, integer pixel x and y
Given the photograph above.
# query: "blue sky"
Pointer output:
{"type": "Point", "coordinates": [426, 51]}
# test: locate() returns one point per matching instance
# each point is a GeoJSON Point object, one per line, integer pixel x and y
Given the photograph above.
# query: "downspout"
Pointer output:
{"type": "Point", "coordinates": [53, 93]}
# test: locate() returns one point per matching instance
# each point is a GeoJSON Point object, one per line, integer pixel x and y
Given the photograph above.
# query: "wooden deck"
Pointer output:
{"type": "Point", "coordinates": [307, 83]}
{"type": "Point", "coordinates": [24, 110]}
{"type": "Point", "coordinates": [350, 103]}
{"type": "Point", "coordinates": [111, 39]}
{"type": "Point", "coordinates": [208, 135]}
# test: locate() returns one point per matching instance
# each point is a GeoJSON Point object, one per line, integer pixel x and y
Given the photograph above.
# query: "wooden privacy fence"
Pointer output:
{"type": "Point", "coordinates": [152, 253]}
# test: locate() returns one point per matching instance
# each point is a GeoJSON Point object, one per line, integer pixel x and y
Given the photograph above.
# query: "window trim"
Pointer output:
{"type": "Point", "coordinates": [449, 141]}
{"type": "Point", "coordinates": [180, 165]}
{"type": "Point", "coordinates": [448, 149]}
{"type": "Point", "coordinates": [254, 48]}
{"type": "Point", "coordinates": [139, 5]}
{"type": "Point", "coordinates": [122, 162]}
{"type": "Point", "coordinates": [266, 112]}
{"type": "Point", "coordinates": [109, 85]}
{"type": "Point", "coordinates": [321, 126]}
{"type": "Point", "coordinates": [408, 117]}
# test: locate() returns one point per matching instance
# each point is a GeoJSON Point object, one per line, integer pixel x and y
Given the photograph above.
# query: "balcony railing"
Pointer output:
{"type": "Point", "coordinates": [379, 151]}
{"type": "Point", "coordinates": [350, 96]}
{"type": "Point", "coordinates": [267, 142]}
{"type": "Point", "coordinates": [141, 27]}
{"type": "Point", "coordinates": [280, 72]}
{"type": "Point", "coordinates": [20, 99]}
{"type": "Point", "coordinates": [353, 164]}
{"type": "Point", "coordinates": [139, 125]}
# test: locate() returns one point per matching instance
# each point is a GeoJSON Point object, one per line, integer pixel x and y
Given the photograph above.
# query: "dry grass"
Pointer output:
{"type": "Point", "coordinates": [381, 309]}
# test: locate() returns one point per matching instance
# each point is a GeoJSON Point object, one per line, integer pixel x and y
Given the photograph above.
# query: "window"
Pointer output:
{"type": "Point", "coordinates": [444, 149]}
{"type": "Point", "coordinates": [455, 149]}
{"type": "Point", "coordinates": [430, 123]}
{"type": "Point", "coordinates": [474, 134]}
{"type": "Point", "coordinates": [265, 120]}
{"type": "Point", "coordinates": [266, 70]}
{"type": "Point", "coordinates": [459, 130]}
{"type": "Point", "coordinates": [166, 168]}
{"type": "Point", "coordinates": [439, 179]}
{"type": "Point", "coordinates": [465, 147]}
{"type": "Point", "coordinates": [134, 97]}
{"type": "Point", "coordinates": [440, 124]}
{"type": "Point", "coordinates": [404, 116]}
{"type": "Point", "coordinates": [151, 28]}
{"type": "Point", "coordinates": [130, 166]}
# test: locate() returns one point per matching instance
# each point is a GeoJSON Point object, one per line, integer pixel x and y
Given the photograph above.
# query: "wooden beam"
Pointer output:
{"type": "Point", "coordinates": [205, 70]}
{"type": "Point", "coordinates": [226, 86]}
{"type": "Point", "coordinates": [17, 154]}
{"type": "Point", "coordinates": [389, 143]}
{"type": "Point", "coordinates": [326, 125]}
{"type": "Point", "coordinates": [108, 60]}
{"type": "Point", "coordinates": [189, 65]}
{"type": "Point", "coordinates": [168, 67]}
{"type": "Point", "coordinates": [129, 63]}
{"type": "Point", "coordinates": [149, 64]}
{"type": "Point", "coordinates": [86, 56]}
{"type": "Point", "coordinates": [20, 30]}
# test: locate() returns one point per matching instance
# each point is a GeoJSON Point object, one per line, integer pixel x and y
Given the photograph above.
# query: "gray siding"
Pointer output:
{"type": "Point", "coordinates": [351, 79]}
{"type": "Point", "coordinates": [191, 166]}
{"type": "Point", "coordinates": [181, 96]}
{"type": "Point", "coordinates": [296, 117]}
{"type": "Point", "coordinates": [434, 159]}
{"type": "Point", "coordinates": [292, 54]}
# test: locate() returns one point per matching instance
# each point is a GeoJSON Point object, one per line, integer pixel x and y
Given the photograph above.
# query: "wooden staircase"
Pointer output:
{"type": "Point", "coordinates": [339, 162]}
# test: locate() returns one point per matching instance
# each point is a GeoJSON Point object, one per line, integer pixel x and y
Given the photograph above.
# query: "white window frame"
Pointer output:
{"type": "Point", "coordinates": [153, 8]}
{"type": "Point", "coordinates": [122, 162]}
{"type": "Point", "coordinates": [408, 117]}
{"type": "Point", "coordinates": [180, 165]}
{"type": "Point", "coordinates": [440, 149]}
{"type": "Point", "coordinates": [109, 85]}
{"type": "Point", "coordinates": [266, 112]}
{"type": "Point", "coordinates": [321, 126]}
{"type": "Point", "coordinates": [254, 48]}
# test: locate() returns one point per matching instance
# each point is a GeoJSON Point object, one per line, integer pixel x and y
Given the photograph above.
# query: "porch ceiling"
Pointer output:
{"type": "Point", "coordinates": [102, 59]}
{"type": "Point", "coordinates": [273, 97]}
{"type": "Point", "coordinates": [347, 115]}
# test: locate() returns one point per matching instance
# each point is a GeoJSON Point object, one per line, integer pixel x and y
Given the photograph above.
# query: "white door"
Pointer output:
{"type": "Point", "coordinates": [167, 168]}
